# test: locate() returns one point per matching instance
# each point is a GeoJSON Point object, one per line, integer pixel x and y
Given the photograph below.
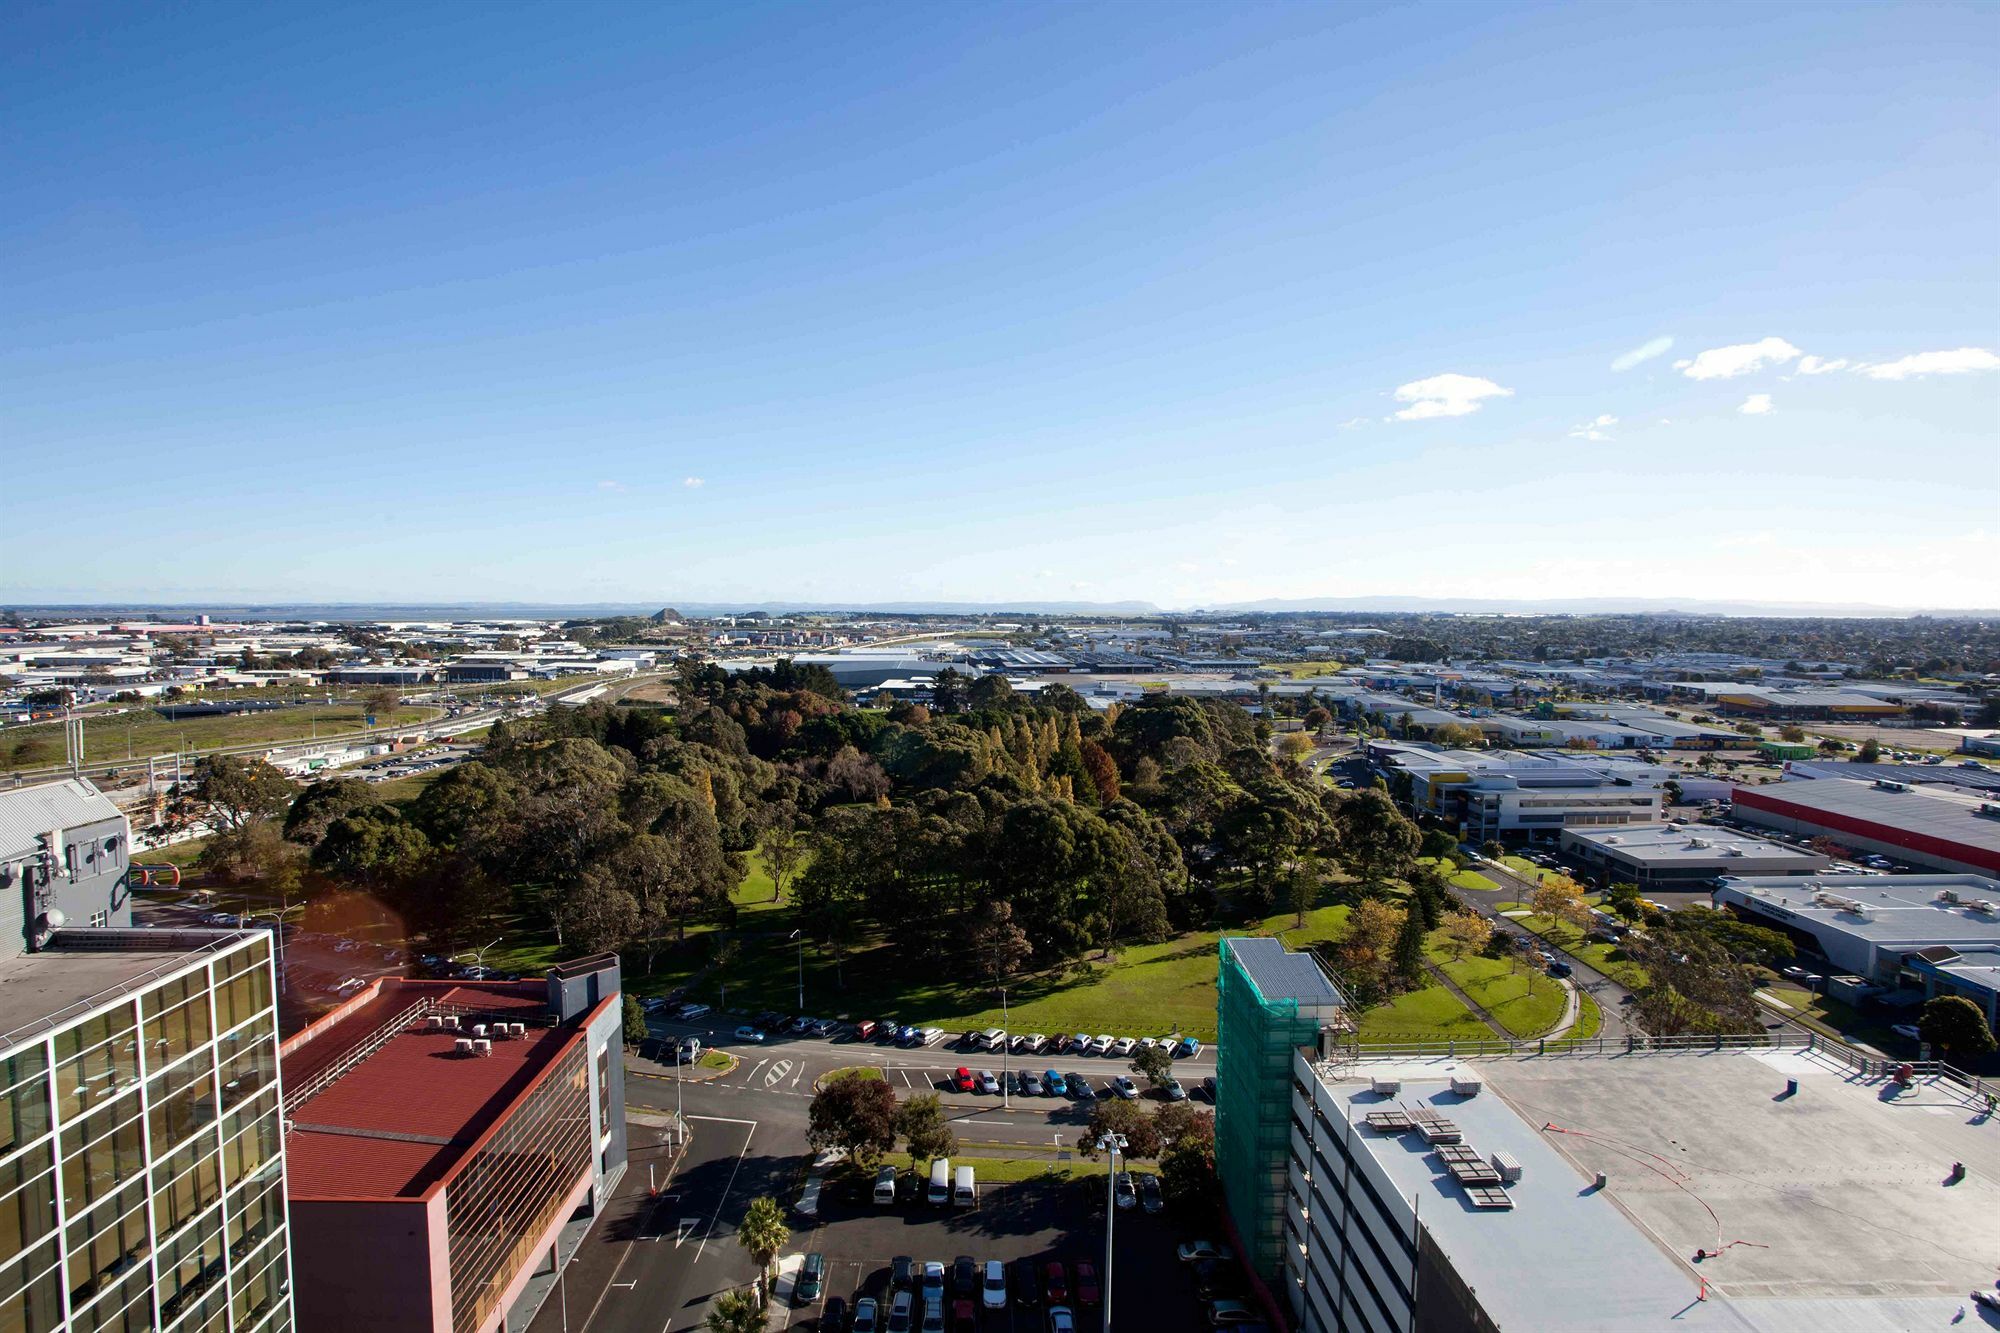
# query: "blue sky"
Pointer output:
{"type": "Point", "coordinates": [653, 302]}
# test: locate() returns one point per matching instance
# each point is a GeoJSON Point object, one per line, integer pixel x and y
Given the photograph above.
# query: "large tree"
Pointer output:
{"type": "Point", "coordinates": [1956, 1026]}
{"type": "Point", "coordinates": [1377, 842]}
{"type": "Point", "coordinates": [920, 1123]}
{"type": "Point", "coordinates": [762, 1233]}
{"type": "Point", "coordinates": [855, 1114]}
{"type": "Point", "coordinates": [227, 792]}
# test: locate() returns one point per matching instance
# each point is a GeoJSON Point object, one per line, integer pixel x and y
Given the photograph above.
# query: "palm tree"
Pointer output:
{"type": "Point", "coordinates": [762, 1234]}
{"type": "Point", "coordinates": [736, 1312]}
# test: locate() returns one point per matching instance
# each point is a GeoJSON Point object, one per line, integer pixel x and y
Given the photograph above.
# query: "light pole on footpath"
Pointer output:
{"type": "Point", "coordinates": [1114, 1144]}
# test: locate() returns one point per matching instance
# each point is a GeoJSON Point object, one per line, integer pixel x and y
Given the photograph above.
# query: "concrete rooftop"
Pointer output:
{"type": "Point", "coordinates": [1829, 1207]}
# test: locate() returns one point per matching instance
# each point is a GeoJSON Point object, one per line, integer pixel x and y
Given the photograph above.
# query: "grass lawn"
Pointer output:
{"type": "Point", "coordinates": [1144, 990]}
{"type": "Point", "coordinates": [1432, 1013]}
{"type": "Point", "coordinates": [754, 893]}
{"type": "Point", "coordinates": [1589, 1019]}
{"type": "Point", "coordinates": [1606, 958]}
{"type": "Point", "coordinates": [1464, 879]}
{"type": "Point", "coordinates": [1525, 868]}
{"type": "Point", "coordinates": [864, 1072]}
{"type": "Point", "coordinates": [712, 1059]}
{"type": "Point", "coordinates": [1839, 1018]}
{"type": "Point", "coordinates": [1523, 1001]}
{"type": "Point", "coordinates": [141, 732]}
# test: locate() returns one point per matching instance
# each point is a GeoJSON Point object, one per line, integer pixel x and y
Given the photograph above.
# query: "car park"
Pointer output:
{"type": "Point", "coordinates": [1079, 1088]}
{"type": "Point", "coordinates": [902, 1311]}
{"type": "Point", "coordinates": [962, 1079]}
{"type": "Point", "coordinates": [1084, 1282]}
{"type": "Point", "coordinates": [1061, 1319]}
{"type": "Point", "coordinates": [1150, 1197]}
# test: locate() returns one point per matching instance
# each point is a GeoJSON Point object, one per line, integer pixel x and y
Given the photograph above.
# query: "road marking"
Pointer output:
{"type": "Point", "coordinates": [906, 1078]}
{"type": "Point", "coordinates": [627, 1285]}
{"type": "Point", "coordinates": [801, 1074]}
{"type": "Point", "coordinates": [754, 1068]}
{"type": "Point", "coordinates": [727, 1186]}
{"type": "Point", "coordinates": [724, 1120]}
{"type": "Point", "coordinates": [777, 1074]}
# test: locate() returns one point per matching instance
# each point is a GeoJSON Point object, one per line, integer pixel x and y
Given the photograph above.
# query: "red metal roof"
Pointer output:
{"type": "Point", "coordinates": [395, 1124]}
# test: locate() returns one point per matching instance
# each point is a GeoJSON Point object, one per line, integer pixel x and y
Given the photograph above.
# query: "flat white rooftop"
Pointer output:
{"type": "Point", "coordinates": [1895, 909]}
{"type": "Point", "coordinates": [1668, 845]}
{"type": "Point", "coordinates": [1820, 1212]}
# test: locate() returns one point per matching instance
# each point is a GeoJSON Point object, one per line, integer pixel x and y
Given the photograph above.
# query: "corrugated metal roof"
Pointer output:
{"type": "Point", "coordinates": [1280, 974]}
{"type": "Point", "coordinates": [26, 813]}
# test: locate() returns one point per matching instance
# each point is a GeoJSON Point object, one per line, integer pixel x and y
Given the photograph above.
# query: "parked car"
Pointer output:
{"type": "Point", "coordinates": [1027, 1283]}
{"type": "Point", "coordinates": [962, 1079]}
{"type": "Point", "coordinates": [866, 1315]}
{"type": "Point", "coordinates": [933, 1280]}
{"type": "Point", "coordinates": [1187, 1049]}
{"type": "Point", "coordinates": [1150, 1197]}
{"type": "Point", "coordinates": [748, 1033]}
{"type": "Point", "coordinates": [1053, 1084]}
{"type": "Point", "coordinates": [1061, 1320]}
{"type": "Point", "coordinates": [1085, 1283]}
{"type": "Point", "coordinates": [993, 1287]}
{"type": "Point", "coordinates": [902, 1310]}
{"type": "Point", "coordinates": [824, 1027]}
{"type": "Point", "coordinates": [1031, 1084]}
{"type": "Point", "coordinates": [1213, 1279]}
{"type": "Point", "coordinates": [988, 1084]}
{"type": "Point", "coordinates": [1190, 1250]}
{"type": "Point", "coordinates": [1232, 1313]}
{"type": "Point", "coordinates": [930, 1036]}
{"type": "Point", "coordinates": [1123, 1047]}
{"type": "Point", "coordinates": [833, 1319]}
{"type": "Point", "coordinates": [696, 1010]}
{"type": "Point", "coordinates": [688, 1051]}
{"type": "Point", "coordinates": [964, 1317]}
{"type": "Point", "coordinates": [1173, 1091]}
{"type": "Point", "coordinates": [1558, 968]}
{"type": "Point", "coordinates": [1079, 1088]}
{"type": "Point", "coordinates": [812, 1278]}
{"type": "Point", "coordinates": [1124, 1087]}
{"type": "Point", "coordinates": [902, 1272]}
{"type": "Point", "coordinates": [1055, 1281]}
{"type": "Point", "coordinates": [1907, 1030]}
{"type": "Point", "coordinates": [863, 1030]}
{"type": "Point", "coordinates": [1124, 1191]}
{"type": "Point", "coordinates": [1208, 1087]}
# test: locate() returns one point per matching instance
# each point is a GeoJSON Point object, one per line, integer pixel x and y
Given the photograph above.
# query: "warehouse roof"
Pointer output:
{"type": "Point", "coordinates": [1892, 908]}
{"type": "Point", "coordinates": [1666, 844]}
{"type": "Point", "coordinates": [1927, 813]}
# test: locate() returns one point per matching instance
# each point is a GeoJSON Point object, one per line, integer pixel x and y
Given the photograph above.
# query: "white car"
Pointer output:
{"type": "Point", "coordinates": [932, 1036]}
{"type": "Point", "coordinates": [1907, 1030]}
{"type": "Point", "coordinates": [1123, 1046]}
{"type": "Point", "coordinates": [993, 1290]}
{"type": "Point", "coordinates": [1101, 1044]}
{"type": "Point", "coordinates": [1125, 1087]}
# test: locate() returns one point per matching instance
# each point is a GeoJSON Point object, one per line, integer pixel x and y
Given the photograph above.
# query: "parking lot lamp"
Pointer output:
{"type": "Point", "coordinates": [794, 936]}
{"type": "Point", "coordinates": [1006, 1045]}
{"type": "Point", "coordinates": [1113, 1144]}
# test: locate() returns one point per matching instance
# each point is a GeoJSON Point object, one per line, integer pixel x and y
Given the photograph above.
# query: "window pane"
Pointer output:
{"type": "Point", "coordinates": [183, 1100]}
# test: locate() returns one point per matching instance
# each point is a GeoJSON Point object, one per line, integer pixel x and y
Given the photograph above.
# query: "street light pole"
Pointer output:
{"type": "Point", "coordinates": [1006, 1045]}
{"type": "Point", "coordinates": [802, 973]}
{"type": "Point", "coordinates": [1113, 1143]}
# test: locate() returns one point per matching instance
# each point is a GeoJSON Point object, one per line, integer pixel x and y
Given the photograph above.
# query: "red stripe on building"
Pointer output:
{"type": "Point", "coordinates": [1964, 853]}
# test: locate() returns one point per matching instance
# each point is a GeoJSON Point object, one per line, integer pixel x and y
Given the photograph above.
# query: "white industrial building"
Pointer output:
{"type": "Point", "coordinates": [1505, 794]}
{"type": "Point", "coordinates": [1668, 855]}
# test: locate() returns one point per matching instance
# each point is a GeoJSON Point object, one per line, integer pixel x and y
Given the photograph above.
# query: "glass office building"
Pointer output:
{"type": "Point", "coordinates": [141, 1156]}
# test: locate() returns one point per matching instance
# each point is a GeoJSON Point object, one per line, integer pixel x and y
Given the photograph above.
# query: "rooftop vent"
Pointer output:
{"type": "Point", "coordinates": [1884, 784]}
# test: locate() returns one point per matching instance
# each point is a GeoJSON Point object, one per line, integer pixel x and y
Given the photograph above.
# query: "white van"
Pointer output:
{"type": "Point", "coordinates": [963, 1192]}
{"type": "Point", "coordinates": [885, 1185]}
{"type": "Point", "coordinates": [941, 1181]}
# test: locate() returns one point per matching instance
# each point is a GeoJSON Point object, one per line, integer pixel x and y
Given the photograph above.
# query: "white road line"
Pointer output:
{"type": "Point", "coordinates": [724, 1120]}
{"type": "Point", "coordinates": [906, 1078]}
{"type": "Point", "coordinates": [724, 1201]}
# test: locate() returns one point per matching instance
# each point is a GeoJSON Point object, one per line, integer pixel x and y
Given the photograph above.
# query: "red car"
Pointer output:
{"type": "Point", "coordinates": [1086, 1285]}
{"type": "Point", "coordinates": [1056, 1282]}
{"type": "Point", "coordinates": [962, 1080]}
{"type": "Point", "coordinates": [964, 1319]}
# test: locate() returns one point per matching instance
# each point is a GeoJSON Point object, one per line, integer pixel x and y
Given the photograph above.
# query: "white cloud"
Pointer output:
{"type": "Point", "coordinates": [1721, 363]}
{"type": "Point", "coordinates": [1757, 405]}
{"type": "Point", "coordinates": [1354, 423]}
{"type": "Point", "coordinates": [610, 485]}
{"type": "Point", "coordinates": [1960, 362]}
{"type": "Point", "coordinates": [1594, 429]}
{"type": "Point", "coordinates": [1819, 365]}
{"type": "Point", "coordinates": [1643, 352]}
{"type": "Point", "coordinates": [691, 482]}
{"type": "Point", "coordinates": [1446, 396]}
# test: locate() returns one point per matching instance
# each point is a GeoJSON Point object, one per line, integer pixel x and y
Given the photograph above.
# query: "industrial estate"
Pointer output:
{"type": "Point", "coordinates": [1285, 971]}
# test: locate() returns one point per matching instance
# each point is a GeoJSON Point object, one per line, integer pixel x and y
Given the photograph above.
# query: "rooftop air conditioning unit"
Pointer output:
{"type": "Point", "coordinates": [1984, 906]}
{"type": "Point", "coordinates": [1947, 895]}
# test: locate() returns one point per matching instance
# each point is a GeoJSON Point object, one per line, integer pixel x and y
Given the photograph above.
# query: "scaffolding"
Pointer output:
{"type": "Point", "coordinates": [1258, 1030]}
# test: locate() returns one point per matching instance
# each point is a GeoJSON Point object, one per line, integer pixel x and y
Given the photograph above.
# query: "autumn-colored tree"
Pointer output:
{"type": "Point", "coordinates": [1560, 898]}
{"type": "Point", "coordinates": [1465, 932]}
{"type": "Point", "coordinates": [1103, 771]}
{"type": "Point", "coordinates": [1371, 935]}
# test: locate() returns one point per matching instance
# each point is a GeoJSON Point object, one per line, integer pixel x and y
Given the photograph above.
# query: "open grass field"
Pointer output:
{"type": "Point", "coordinates": [1524, 1001]}
{"type": "Point", "coordinates": [1464, 879]}
{"type": "Point", "coordinates": [142, 732]}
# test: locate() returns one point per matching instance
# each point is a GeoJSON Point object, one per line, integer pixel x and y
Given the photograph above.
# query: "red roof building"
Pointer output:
{"type": "Point", "coordinates": [443, 1139]}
